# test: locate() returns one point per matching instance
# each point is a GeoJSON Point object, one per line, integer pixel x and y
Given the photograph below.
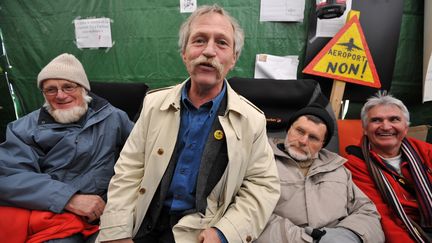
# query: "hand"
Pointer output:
{"type": "Point", "coordinates": [339, 234]}
{"type": "Point", "coordinates": [209, 236]}
{"type": "Point", "coordinates": [127, 240]}
{"type": "Point", "coordinates": [90, 207]}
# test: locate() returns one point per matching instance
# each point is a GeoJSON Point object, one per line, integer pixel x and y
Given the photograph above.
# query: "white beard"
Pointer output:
{"type": "Point", "coordinates": [299, 156]}
{"type": "Point", "coordinates": [68, 115]}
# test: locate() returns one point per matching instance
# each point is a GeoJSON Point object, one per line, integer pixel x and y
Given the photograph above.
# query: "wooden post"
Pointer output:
{"type": "Point", "coordinates": [338, 87]}
{"type": "Point", "coordinates": [336, 96]}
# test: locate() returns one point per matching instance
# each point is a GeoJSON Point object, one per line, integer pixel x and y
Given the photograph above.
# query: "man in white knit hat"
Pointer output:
{"type": "Point", "coordinates": [56, 162]}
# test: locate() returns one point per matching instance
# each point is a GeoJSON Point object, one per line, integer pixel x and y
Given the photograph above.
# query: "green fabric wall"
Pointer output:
{"type": "Point", "coordinates": [145, 49]}
{"type": "Point", "coordinates": [145, 35]}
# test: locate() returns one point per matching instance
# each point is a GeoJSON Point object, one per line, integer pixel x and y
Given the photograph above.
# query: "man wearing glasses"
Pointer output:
{"type": "Point", "coordinates": [56, 162]}
{"type": "Point", "coordinates": [319, 201]}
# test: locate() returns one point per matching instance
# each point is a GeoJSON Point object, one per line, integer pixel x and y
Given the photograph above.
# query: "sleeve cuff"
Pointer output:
{"type": "Point", "coordinates": [221, 235]}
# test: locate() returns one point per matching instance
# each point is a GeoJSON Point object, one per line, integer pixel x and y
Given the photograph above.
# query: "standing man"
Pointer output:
{"type": "Point", "coordinates": [319, 201]}
{"type": "Point", "coordinates": [197, 166]}
{"type": "Point", "coordinates": [394, 170]}
{"type": "Point", "coordinates": [56, 162]}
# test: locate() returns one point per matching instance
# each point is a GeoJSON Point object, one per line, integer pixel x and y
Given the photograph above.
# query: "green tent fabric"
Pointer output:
{"type": "Point", "coordinates": [145, 48]}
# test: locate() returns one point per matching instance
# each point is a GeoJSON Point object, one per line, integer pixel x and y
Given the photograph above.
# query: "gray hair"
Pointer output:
{"type": "Point", "coordinates": [185, 30]}
{"type": "Point", "coordinates": [386, 99]}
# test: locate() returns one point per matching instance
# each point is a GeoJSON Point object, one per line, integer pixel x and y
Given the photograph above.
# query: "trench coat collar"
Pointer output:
{"type": "Point", "coordinates": [234, 109]}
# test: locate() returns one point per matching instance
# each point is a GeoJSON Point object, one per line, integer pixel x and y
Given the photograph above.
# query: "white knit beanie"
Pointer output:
{"type": "Point", "coordinates": [67, 67]}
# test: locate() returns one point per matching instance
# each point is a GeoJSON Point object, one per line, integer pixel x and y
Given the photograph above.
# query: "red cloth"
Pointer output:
{"type": "Point", "coordinates": [13, 224]}
{"type": "Point", "coordinates": [19, 225]}
{"type": "Point", "coordinates": [393, 227]}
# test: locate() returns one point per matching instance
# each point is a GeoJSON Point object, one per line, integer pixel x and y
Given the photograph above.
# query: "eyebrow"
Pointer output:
{"type": "Point", "coordinates": [218, 35]}
{"type": "Point", "coordinates": [385, 117]}
{"type": "Point", "coordinates": [309, 133]}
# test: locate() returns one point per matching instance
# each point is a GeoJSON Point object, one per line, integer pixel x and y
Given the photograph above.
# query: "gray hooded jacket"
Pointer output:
{"type": "Point", "coordinates": [325, 197]}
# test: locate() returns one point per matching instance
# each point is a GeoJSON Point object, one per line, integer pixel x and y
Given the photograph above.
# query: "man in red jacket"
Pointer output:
{"type": "Point", "coordinates": [393, 170]}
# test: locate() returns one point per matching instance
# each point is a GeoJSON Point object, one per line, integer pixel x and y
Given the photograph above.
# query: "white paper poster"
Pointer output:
{"type": "Point", "coordinates": [282, 10]}
{"type": "Point", "coordinates": [188, 6]}
{"type": "Point", "coordinates": [93, 33]}
{"type": "Point", "coordinates": [427, 52]}
{"type": "Point", "coordinates": [276, 67]}
{"type": "Point", "coordinates": [329, 27]}
{"type": "Point", "coordinates": [427, 87]}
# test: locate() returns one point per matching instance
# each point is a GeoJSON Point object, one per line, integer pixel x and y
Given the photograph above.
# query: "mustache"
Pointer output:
{"type": "Point", "coordinates": [295, 143]}
{"type": "Point", "coordinates": [202, 60]}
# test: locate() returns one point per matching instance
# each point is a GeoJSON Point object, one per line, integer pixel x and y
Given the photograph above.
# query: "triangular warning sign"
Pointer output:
{"type": "Point", "coordinates": [346, 57]}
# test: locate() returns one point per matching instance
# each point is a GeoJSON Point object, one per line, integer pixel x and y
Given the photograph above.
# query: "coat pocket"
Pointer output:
{"type": "Point", "coordinates": [290, 189]}
{"type": "Point", "coordinates": [189, 227]}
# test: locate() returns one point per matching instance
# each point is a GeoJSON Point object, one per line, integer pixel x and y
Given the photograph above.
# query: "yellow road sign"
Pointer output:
{"type": "Point", "coordinates": [346, 57]}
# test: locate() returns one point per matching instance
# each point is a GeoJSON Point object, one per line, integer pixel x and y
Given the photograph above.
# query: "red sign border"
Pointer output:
{"type": "Point", "coordinates": [331, 43]}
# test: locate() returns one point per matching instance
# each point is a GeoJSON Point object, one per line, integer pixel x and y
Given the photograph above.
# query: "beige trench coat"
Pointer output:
{"type": "Point", "coordinates": [239, 205]}
{"type": "Point", "coordinates": [325, 197]}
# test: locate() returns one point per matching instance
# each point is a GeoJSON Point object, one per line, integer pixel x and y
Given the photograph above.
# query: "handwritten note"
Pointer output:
{"type": "Point", "coordinates": [93, 33]}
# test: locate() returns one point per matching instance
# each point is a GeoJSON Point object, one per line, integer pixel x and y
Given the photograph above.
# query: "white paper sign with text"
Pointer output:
{"type": "Point", "coordinates": [93, 33]}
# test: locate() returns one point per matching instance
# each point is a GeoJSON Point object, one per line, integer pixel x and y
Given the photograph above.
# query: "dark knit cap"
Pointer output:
{"type": "Point", "coordinates": [318, 111]}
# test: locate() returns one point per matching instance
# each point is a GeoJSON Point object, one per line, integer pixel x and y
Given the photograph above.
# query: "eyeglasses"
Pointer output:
{"type": "Point", "coordinates": [67, 89]}
{"type": "Point", "coordinates": [298, 132]}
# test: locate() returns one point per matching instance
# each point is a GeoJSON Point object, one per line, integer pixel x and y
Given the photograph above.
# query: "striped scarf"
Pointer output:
{"type": "Point", "coordinates": [422, 186]}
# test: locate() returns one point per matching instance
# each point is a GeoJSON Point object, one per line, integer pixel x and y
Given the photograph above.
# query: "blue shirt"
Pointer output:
{"type": "Point", "coordinates": [195, 126]}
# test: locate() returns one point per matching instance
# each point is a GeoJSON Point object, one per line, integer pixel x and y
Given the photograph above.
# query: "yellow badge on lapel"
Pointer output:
{"type": "Point", "coordinates": [218, 134]}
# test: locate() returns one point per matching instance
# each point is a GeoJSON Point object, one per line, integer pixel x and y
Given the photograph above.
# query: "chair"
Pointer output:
{"type": "Point", "coordinates": [279, 99]}
{"type": "Point", "coordinates": [125, 96]}
{"type": "Point", "coordinates": [351, 132]}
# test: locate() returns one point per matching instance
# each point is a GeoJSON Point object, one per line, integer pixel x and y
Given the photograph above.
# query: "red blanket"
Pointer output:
{"type": "Point", "coordinates": [19, 225]}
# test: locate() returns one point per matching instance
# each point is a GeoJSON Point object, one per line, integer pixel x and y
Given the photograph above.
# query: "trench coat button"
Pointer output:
{"type": "Point", "coordinates": [142, 190]}
{"type": "Point", "coordinates": [160, 151]}
{"type": "Point", "coordinates": [248, 238]}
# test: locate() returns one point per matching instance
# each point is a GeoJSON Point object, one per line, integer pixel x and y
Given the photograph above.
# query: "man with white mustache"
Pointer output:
{"type": "Point", "coordinates": [56, 162]}
{"type": "Point", "coordinates": [198, 166]}
{"type": "Point", "coordinates": [319, 202]}
{"type": "Point", "coordinates": [394, 170]}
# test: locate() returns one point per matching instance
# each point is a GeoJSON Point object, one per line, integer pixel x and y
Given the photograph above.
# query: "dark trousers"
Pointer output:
{"type": "Point", "coordinates": [77, 238]}
{"type": "Point", "coordinates": [162, 232]}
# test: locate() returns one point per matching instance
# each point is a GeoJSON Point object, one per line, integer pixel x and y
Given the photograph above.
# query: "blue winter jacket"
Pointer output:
{"type": "Point", "coordinates": [44, 163]}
